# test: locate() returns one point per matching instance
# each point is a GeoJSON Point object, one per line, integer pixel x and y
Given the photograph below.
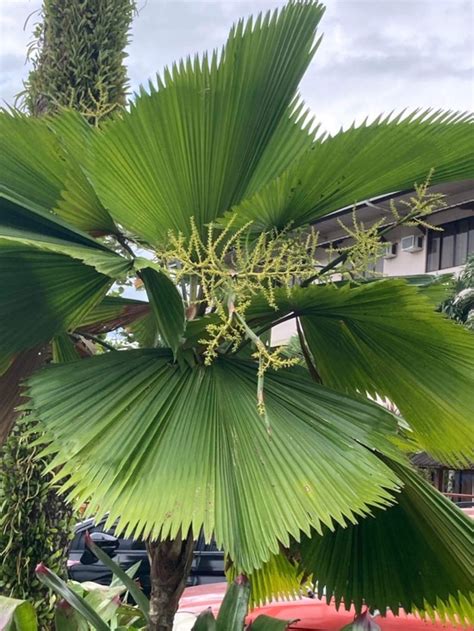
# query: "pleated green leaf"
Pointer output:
{"type": "Point", "coordinates": [213, 128]}
{"type": "Point", "coordinates": [390, 154]}
{"type": "Point", "coordinates": [105, 262]}
{"type": "Point", "coordinates": [145, 331]}
{"type": "Point", "coordinates": [114, 312]}
{"type": "Point", "coordinates": [26, 225]}
{"type": "Point", "coordinates": [31, 163]}
{"type": "Point", "coordinates": [384, 338]}
{"type": "Point", "coordinates": [46, 294]}
{"type": "Point", "coordinates": [51, 175]}
{"type": "Point", "coordinates": [79, 203]}
{"type": "Point", "coordinates": [434, 288]}
{"type": "Point", "coordinates": [279, 578]}
{"type": "Point", "coordinates": [416, 555]}
{"type": "Point", "coordinates": [63, 349]}
{"type": "Point", "coordinates": [23, 215]}
{"type": "Point", "coordinates": [164, 448]}
{"type": "Point", "coordinates": [167, 306]}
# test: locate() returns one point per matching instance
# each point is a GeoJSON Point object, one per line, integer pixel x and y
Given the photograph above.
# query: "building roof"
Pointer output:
{"type": "Point", "coordinates": [459, 194]}
{"type": "Point", "coordinates": [425, 461]}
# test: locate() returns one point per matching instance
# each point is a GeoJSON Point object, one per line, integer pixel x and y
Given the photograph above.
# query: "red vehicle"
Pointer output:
{"type": "Point", "coordinates": [312, 614]}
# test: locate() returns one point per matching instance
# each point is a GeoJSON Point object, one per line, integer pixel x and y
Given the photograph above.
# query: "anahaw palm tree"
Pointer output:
{"type": "Point", "coordinates": [217, 170]}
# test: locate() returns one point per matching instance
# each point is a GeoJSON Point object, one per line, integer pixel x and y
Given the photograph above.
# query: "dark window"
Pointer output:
{"type": "Point", "coordinates": [470, 242]}
{"type": "Point", "coordinates": [452, 246]}
{"type": "Point", "coordinates": [460, 253]}
{"type": "Point", "coordinates": [448, 237]}
{"type": "Point", "coordinates": [434, 247]}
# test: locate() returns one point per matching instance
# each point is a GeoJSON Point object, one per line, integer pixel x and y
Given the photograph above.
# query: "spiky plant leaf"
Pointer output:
{"type": "Point", "coordinates": [416, 555]}
{"type": "Point", "coordinates": [127, 423]}
{"type": "Point", "coordinates": [66, 618]}
{"type": "Point", "coordinates": [363, 162]}
{"type": "Point", "coordinates": [205, 621]}
{"type": "Point", "coordinates": [267, 623]}
{"type": "Point", "coordinates": [213, 128]}
{"type": "Point", "coordinates": [384, 339]}
{"type": "Point", "coordinates": [125, 579]}
{"type": "Point", "coordinates": [234, 607]}
{"type": "Point", "coordinates": [80, 604]}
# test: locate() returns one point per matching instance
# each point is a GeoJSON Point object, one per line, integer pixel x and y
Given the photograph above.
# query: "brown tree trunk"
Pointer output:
{"type": "Point", "coordinates": [170, 564]}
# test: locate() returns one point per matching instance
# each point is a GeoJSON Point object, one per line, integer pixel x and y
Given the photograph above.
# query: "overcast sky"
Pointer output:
{"type": "Point", "coordinates": [376, 55]}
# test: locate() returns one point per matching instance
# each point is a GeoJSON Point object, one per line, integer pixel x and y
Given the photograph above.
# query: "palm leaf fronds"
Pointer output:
{"type": "Point", "coordinates": [384, 339]}
{"type": "Point", "coordinates": [211, 130]}
{"type": "Point", "coordinates": [416, 555]}
{"type": "Point", "coordinates": [385, 156]}
{"type": "Point", "coordinates": [144, 424]}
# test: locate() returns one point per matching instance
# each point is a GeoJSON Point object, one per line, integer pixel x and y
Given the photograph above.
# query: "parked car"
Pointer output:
{"type": "Point", "coordinates": [207, 567]}
{"type": "Point", "coordinates": [309, 614]}
{"type": "Point", "coordinates": [83, 565]}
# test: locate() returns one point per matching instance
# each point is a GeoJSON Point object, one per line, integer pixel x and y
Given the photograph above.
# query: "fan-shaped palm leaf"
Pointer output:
{"type": "Point", "coordinates": [364, 162]}
{"type": "Point", "coordinates": [384, 339]}
{"type": "Point", "coordinates": [42, 264]}
{"type": "Point", "coordinates": [213, 128]}
{"type": "Point", "coordinates": [47, 293]}
{"type": "Point", "coordinates": [51, 175]}
{"type": "Point", "coordinates": [416, 555]}
{"type": "Point", "coordinates": [142, 424]}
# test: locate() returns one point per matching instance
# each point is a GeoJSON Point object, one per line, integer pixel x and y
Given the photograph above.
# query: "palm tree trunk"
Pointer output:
{"type": "Point", "coordinates": [170, 564]}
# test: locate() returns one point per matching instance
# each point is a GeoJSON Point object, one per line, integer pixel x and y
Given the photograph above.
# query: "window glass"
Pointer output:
{"type": "Point", "coordinates": [434, 243]}
{"type": "Point", "coordinates": [460, 249]}
{"type": "Point", "coordinates": [447, 245]}
{"type": "Point", "coordinates": [452, 246]}
{"type": "Point", "coordinates": [470, 244]}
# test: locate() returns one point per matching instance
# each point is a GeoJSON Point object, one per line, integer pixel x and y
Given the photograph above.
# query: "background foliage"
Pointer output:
{"type": "Point", "coordinates": [35, 523]}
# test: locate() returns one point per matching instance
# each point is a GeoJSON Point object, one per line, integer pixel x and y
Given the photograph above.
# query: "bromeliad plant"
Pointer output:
{"type": "Point", "coordinates": [92, 606]}
{"type": "Point", "coordinates": [218, 173]}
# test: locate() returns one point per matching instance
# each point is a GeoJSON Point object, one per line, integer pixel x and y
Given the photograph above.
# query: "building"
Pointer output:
{"type": "Point", "coordinates": [409, 250]}
{"type": "Point", "coordinates": [412, 251]}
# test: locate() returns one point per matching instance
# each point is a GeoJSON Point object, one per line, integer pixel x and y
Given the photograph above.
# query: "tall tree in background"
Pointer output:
{"type": "Point", "coordinates": [79, 63]}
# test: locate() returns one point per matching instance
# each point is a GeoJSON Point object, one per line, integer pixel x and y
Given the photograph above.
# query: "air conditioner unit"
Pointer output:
{"type": "Point", "coordinates": [413, 243]}
{"type": "Point", "coordinates": [390, 250]}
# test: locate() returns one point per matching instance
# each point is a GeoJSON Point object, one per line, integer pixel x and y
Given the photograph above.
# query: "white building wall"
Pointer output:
{"type": "Point", "coordinates": [404, 264]}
